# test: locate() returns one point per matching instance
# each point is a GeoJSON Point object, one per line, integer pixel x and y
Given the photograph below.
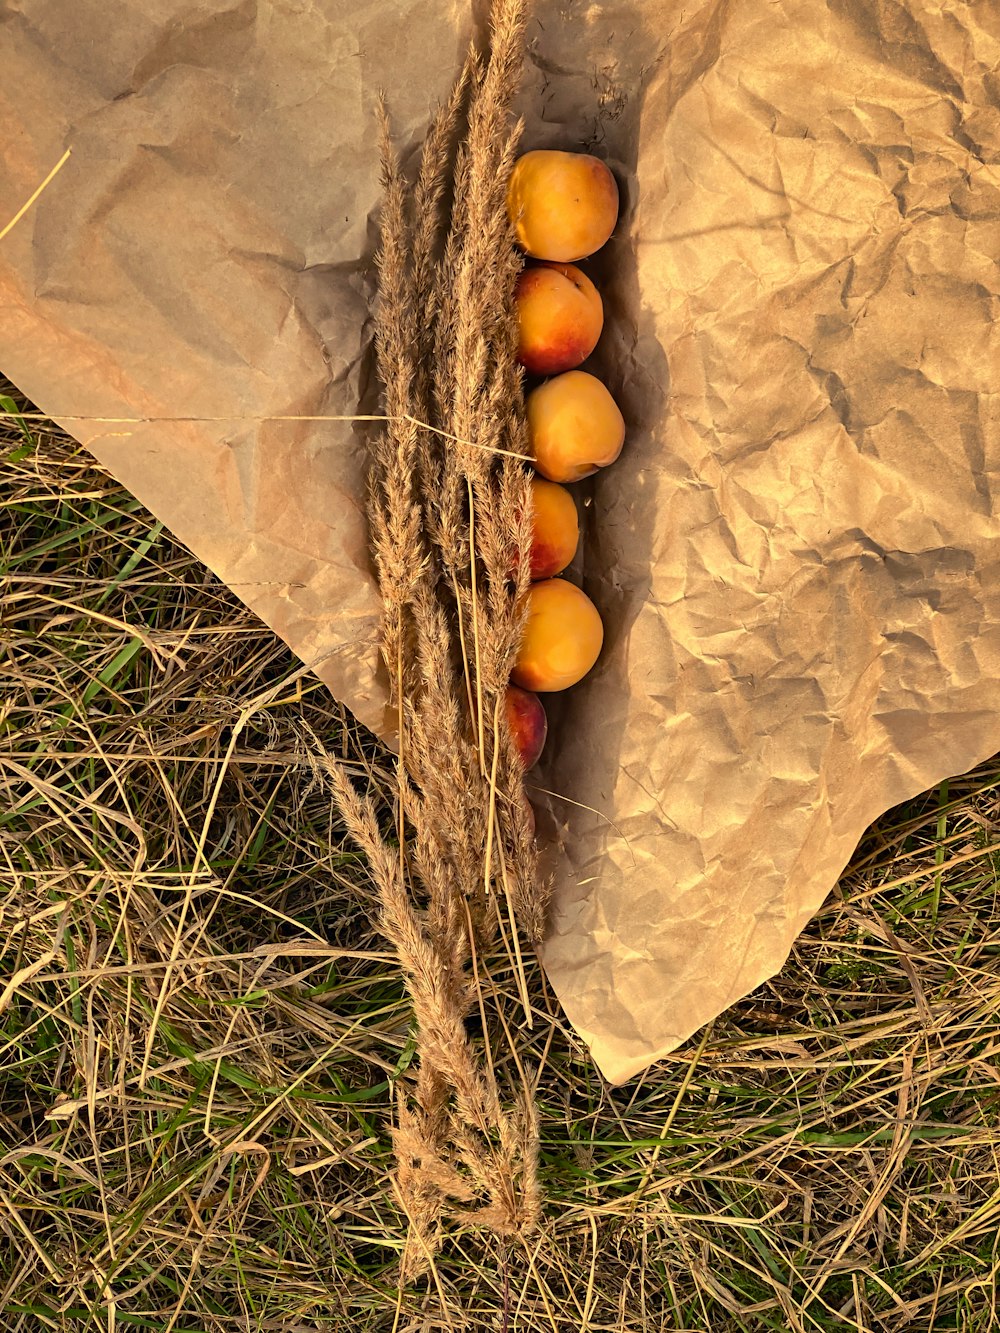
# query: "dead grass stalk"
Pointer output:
{"type": "Point", "coordinates": [450, 525]}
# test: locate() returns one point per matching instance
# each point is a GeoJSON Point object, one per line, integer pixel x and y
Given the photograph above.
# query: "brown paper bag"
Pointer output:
{"type": "Point", "coordinates": [797, 554]}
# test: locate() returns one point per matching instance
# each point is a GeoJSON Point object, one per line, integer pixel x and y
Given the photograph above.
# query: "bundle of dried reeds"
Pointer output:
{"type": "Point", "coordinates": [450, 521]}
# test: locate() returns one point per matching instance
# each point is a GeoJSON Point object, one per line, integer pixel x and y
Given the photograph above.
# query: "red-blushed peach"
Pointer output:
{"type": "Point", "coordinates": [574, 426]}
{"type": "Point", "coordinates": [555, 528]}
{"type": "Point", "coordinates": [527, 723]}
{"type": "Point", "coordinates": [560, 315]}
{"type": "Point", "coordinates": [562, 639]}
{"type": "Point", "coordinates": [562, 206]}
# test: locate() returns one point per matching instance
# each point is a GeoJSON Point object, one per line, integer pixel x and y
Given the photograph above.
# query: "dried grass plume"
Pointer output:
{"type": "Point", "coordinates": [450, 522]}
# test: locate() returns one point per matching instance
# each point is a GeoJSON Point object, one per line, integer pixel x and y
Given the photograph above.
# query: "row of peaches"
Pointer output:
{"type": "Point", "coordinates": [563, 207]}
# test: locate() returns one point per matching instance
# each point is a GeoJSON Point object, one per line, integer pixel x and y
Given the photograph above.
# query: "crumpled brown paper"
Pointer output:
{"type": "Point", "coordinates": [798, 554]}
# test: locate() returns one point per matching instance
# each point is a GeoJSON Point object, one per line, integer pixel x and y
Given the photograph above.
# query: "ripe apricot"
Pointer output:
{"type": "Point", "coordinates": [563, 206]}
{"type": "Point", "coordinates": [562, 640]}
{"type": "Point", "coordinates": [527, 723]}
{"type": "Point", "coordinates": [574, 426]}
{"type": "Point", "coordinates": [560, 315]}
{"type": "Point", "coordinates": [555, 528]}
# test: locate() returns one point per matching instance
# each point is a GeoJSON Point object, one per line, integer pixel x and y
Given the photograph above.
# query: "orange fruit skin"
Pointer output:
{"type": "Point", "coordinates": [555, 528]}
{"type": "Point", "coordinates": [562, 640]}
{"type": "Point", "coordinates": [562, 206]}
{"type": "Point", "coordinates": [560, 316]}
{"type": "Point", "coordinates": [574, 426]}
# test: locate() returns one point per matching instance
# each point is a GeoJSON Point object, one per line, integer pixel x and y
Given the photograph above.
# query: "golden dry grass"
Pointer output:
{"type": "Point", "coordinates": [824, 1157]}
{"type": "Point", "coordinates": [450, 521]}
{"type": "Point", "coordinates": [268, 1039]}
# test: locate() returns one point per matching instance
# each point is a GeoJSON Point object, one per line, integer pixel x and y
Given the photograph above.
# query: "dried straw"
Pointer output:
{"type": "Point", "coordinates": [450, 530]}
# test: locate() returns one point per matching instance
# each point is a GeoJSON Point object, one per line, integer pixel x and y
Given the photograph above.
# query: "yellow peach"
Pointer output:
{"type": "Point", "coordinates": [574, 426]}
{"type": "Point", "coordinates": [562, 639]}
{"type": "Point", "coordinates": [555, 528]}
{"type": "Point", "coordinates": [559, 318]}
{"type": "Point", "coordinates": [563, 206]}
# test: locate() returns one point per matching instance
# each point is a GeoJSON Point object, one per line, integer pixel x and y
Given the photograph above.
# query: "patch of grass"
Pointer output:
{"type": "Point", "coordinates": [202, 1032]}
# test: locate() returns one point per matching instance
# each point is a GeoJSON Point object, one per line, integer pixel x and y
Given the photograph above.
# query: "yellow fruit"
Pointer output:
{"type": "Point", "coordinates": [563, 206]}
{"type": "Point", "coordinates": [555, 528]}
{"type": "Point", "coordinates": [559, 318]}
{"type": "Point", "coordinates": [574, 426]}
{"type": "Point", "coordinates": [562, 640]}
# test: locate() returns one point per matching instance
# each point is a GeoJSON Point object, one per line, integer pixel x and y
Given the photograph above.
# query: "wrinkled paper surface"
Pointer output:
{"type": "Point", "coordinates": [797, 556]}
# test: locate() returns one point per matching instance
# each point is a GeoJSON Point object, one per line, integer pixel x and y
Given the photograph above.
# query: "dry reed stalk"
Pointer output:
{"type": "Point", "coordinates": [451, 528]}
